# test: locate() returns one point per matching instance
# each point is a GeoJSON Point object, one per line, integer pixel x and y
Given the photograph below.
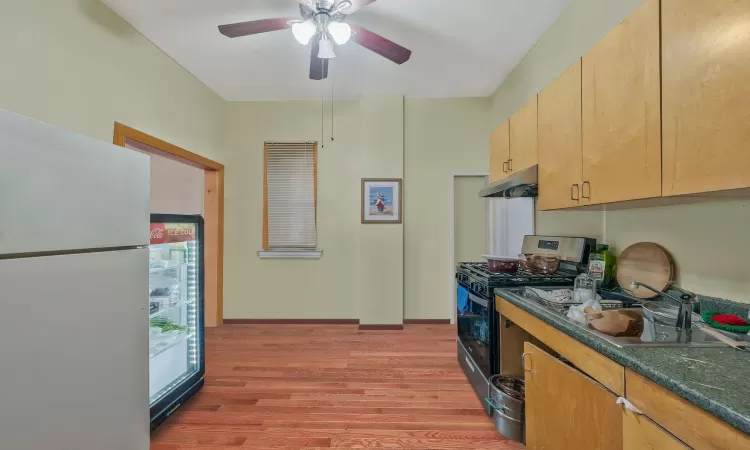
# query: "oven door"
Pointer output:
{"type": "Point", "coordinates": [475, 331]}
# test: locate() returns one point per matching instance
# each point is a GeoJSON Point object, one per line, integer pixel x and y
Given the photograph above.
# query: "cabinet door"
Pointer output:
{"type": "Point", "coordinates": [705, 64]}
{"type": "Point", "coordinates": [560, 141]}
{"type": "Point", "coordinates": [621, 111]}
{"type": "Point", "coordinates": [640, 433]}
{"type": "Point", "coordinates": [696, 427]}
{"type": "Point", "coordinates": [499, 152]}
{"type": "Point", "coordinates": [565, 409]}
{"type": "Point", "coordinates": [523, 137]}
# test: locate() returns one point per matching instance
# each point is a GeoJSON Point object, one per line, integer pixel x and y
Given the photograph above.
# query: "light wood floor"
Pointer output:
{"type": "Point", "coordinates": [324, 386]}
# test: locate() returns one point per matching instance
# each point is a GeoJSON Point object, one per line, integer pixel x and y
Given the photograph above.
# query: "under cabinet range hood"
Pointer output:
{"type": "Point", "coordinates": [520, 184]}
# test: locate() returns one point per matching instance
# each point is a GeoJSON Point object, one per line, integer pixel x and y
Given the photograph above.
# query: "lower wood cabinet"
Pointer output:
{"type": "Point", "coordinates": [565, 409]}
{"type": "Point", "coordinates": [640, 433]}
{"type": "Point", "coordinates": [692, 425]}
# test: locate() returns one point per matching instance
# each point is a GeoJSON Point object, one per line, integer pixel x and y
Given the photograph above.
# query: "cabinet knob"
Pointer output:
{"type": "Point", "coordinates": [578, 192]}
{"type": "Point", "coordinates": [523, 362]}
{"type": "Point", "coordinates": [510, 165]}
{"type": "Point", "coordinates": [505, 167]}
{"type": "Point", "coordinates": [583, 190]}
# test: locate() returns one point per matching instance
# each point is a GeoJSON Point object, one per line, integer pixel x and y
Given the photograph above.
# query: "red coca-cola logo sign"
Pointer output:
{"type": "Point", "coordinates": [158, 233]}
{"type": "Point", "coordinates": [169, 233]}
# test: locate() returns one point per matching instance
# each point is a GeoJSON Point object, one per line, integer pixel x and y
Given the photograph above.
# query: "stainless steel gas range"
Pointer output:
{"type": "Point", "coordinates": [478, 345]}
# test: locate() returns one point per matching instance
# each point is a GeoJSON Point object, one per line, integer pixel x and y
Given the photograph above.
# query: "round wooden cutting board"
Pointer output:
{"type": "Point", "coordinates": [647, 263]}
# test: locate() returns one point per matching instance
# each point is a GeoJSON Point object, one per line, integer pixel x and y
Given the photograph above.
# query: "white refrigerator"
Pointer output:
{"type": "Point", "coordinates": [74, 221]}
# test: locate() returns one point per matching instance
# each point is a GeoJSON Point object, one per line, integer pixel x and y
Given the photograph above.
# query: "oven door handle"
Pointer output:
{"type": "Point", "coordinates": [477, 299]}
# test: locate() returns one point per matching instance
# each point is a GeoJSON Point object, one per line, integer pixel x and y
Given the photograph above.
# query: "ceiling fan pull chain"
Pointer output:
{"type": "Point", "coordinates": [322, 113]}
{"type": "Point", "coordinates": [332, 138]}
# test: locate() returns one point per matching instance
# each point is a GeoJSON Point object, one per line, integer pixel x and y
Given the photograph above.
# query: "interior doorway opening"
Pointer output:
{"type": "Point", "coordinates": [469, 215]}
{"type": "Point", "coordinates": [205, 198]}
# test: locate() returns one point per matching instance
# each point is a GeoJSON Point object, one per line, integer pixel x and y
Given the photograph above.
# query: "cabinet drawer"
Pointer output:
{"type": "Point", "coordinates": [599, 367]}
{"type": "Point", "coordinates": [692, 425]}
{"type": "Point", "coordinates": [640, 433]}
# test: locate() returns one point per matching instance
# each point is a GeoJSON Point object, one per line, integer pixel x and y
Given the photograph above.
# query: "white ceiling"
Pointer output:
{"type": "Point", "coordinates": [461, 48]}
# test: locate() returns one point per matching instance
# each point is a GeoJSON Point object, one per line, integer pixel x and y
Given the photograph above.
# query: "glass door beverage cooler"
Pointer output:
{"type": "Point", "coordinates": [176, 345]}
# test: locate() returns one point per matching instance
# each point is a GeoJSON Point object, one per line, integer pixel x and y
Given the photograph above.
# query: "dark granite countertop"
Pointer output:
{"type": "Point", "coordinates": [714, 379]}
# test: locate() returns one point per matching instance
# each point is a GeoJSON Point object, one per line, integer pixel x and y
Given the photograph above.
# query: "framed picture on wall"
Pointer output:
{"type": "Point", "coordinates": [382, 201]}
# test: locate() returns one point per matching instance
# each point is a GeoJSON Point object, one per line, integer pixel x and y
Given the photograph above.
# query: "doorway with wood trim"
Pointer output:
{"type": "Point", "coordinates": [212, 207]}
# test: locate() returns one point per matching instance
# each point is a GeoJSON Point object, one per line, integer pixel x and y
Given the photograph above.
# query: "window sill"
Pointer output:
{"type": "Point", "coordinates": [294, 254]}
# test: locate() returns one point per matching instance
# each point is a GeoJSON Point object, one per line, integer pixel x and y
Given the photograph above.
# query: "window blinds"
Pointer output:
{"type": "Point", "coordinates": [290, 194]}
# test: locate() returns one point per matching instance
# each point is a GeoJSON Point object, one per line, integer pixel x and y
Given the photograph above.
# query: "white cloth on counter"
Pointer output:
{"type": "Point", "coordinates": [576, 313]}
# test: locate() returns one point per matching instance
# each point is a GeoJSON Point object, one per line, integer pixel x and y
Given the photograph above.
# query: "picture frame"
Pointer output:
{"type": "Point", "coordinates": [382, 201]}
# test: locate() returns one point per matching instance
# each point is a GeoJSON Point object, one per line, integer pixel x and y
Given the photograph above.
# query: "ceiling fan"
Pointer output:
{"type": "Point", "coordinates": [323, 22]}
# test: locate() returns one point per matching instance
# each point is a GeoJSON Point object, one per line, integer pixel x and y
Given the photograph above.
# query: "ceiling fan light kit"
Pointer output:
{"type": "Point", "coordinates": [303, 32]}
{"type": "Point", "coordinates": [341, 32]}
{"type": "Point", "coordinates": [326, 48]}
{"type": "Point", "coordinates": [324, 22]}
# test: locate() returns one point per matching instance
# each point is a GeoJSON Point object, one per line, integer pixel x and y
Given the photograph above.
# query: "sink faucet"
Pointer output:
{"type": "Point", "coordinates": [684, 301]}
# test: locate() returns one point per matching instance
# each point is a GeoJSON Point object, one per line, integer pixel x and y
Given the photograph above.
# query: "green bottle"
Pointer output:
{"type": "Point", "coordinates": [602, 266]}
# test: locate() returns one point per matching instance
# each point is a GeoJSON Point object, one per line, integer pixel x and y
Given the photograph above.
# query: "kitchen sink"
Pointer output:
{"type": "Point", "coordinates": [654, 333]}
{"type": "Point", "coordinates": [657, 334]}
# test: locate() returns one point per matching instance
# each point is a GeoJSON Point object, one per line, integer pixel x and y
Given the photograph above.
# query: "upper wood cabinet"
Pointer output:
{"type": "Point", "coordinates": [523, 137]}
{"type": "Point", "coordinates": [499, 152]}
{"type": "Point", "coordinates": [706, 89]}
{"type": "Point", "coordinates": [560, 170]}
{"type": "Point", "coordinates": [565, 409]}
{"type": "Point", "coordinates": [621, 112]}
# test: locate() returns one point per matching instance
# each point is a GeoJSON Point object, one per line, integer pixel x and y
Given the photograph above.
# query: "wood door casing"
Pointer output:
{"type": "Point", "coordinates": [560, 147]}
{"type": "Point", "coordinates": [706, 105]}
{"type": "Point", "coordinates": [523, 137]}
{"type": "Point", "coordinates": [621, 111]}
{"type": "Point", "coordinates": [499, 151]}
{"type": "Point", "coordinates": [567, 410]}
{"type": "Point", "coordinates": [213, 235]}
{"type": "Point", "coordinates": [640, 433]}
{"type": "Point", "coordinates": [213, 212]}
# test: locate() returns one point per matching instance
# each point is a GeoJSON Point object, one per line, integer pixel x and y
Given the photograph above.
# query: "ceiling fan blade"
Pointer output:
{"type": "Point", "coordinates": [306, 8]}
{"type": "Point", "coordinates": [362, 3]}
{"type": "Point", "coordinates": [318, 66]}
{"type": "Point", "coordinates": [255, 27]}
{"type": "Point", "coordinates": [357, 5]}
{"type": "Point", "coordinates": [380, 45]}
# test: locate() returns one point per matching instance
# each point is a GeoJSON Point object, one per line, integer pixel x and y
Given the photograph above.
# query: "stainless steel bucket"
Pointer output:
{"type": "Point", "coordinates": [507, 403]}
